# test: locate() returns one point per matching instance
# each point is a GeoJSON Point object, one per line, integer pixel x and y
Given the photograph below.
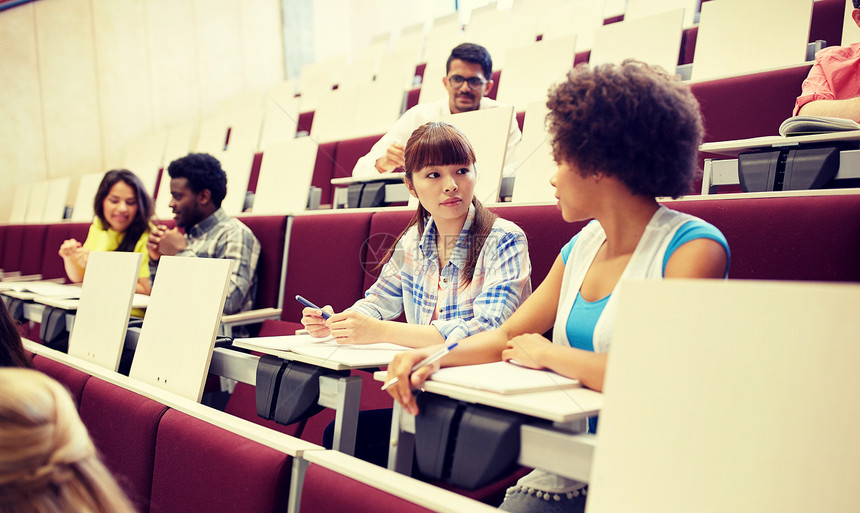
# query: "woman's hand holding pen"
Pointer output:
{"type": "Point", "coordinates": [314, 322]}
{"type": "Point", "coordinates": [354, 328]}
{"type": "Point", "coordinates": [401, 368]}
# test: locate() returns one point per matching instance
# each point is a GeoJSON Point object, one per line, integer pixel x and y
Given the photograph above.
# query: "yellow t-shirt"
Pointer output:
{"type": "Point", "coordinates": [99, 239]}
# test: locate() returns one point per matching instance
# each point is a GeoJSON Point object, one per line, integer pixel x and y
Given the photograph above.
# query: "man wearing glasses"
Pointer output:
{"type": "Point", "coordinates": [468, 79]}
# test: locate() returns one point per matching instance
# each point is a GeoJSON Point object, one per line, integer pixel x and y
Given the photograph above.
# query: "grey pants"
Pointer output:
{"type": "Point", "coordinates": [518, 500]}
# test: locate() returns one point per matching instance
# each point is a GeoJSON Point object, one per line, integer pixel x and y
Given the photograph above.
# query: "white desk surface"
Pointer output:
{"type": "Point", "coordinates": [383, 177]}
{"type": "Point", "coordinates": [562, 406]}
{"type": "Point", "coordinates": [139, 301]}
{"type": "Point", "coordinates": [332, 362]}
{"type": "Point", "coordinates": [733, 148]}
{"type": "Point", "coordinates": [27, 290]}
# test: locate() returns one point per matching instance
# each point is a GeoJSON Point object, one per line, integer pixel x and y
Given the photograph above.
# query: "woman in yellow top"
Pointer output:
{"type": "Point", "coordinates": [123, 209]}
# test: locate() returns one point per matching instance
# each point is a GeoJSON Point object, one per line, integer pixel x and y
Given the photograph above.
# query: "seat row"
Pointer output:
{"type": "Point", "coordinates": [331, 256]}
{"type": "Point", "coordinates": [739, 107]}
{"type": "Point", "coordinates": [172, 455]}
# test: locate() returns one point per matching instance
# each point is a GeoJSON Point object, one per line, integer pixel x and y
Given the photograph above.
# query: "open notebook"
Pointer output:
{"type": "Point", "coordinates": [326, 349]}
{"type": "Point", "coordinates": [503, 378]}
{"type": "Point", "coordinates": [805, 125]}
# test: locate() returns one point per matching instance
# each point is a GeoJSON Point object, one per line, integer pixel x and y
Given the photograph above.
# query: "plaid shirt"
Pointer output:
{"type": "Point", "coordinates": [220, 236]}
{"type": "Point", "coordinates": [412, 280]}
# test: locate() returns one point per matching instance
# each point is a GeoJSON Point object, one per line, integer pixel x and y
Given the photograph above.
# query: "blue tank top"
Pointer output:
{"type": "Point", "coordinates": [584, 314]}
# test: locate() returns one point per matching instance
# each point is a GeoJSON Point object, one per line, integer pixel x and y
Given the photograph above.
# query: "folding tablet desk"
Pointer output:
{"type": "Point", "coordinates": [725, 171]}
{"type": "Point", "coordinates": [348, 191]}
{"type": "Point", "coordinates": [341, 393]}
{"type": "Point", "coordinates": [566, 408]}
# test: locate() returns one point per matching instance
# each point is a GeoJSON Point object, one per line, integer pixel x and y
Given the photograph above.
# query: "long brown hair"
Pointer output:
{"type": "Point", "coordinates": [140, 222]}
{"type": "Point", "coordinates": [441, 144]}
{"type": "Point", "coordinates": [12, 352]}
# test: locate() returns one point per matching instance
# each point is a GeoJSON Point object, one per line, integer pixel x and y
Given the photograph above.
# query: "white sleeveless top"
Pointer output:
{"type": "Point", "coordinates": [645, 263]}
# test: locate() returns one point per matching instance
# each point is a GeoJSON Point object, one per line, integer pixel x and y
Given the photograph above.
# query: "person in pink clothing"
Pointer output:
{"type": "Point", "coordinates": [833, 85]}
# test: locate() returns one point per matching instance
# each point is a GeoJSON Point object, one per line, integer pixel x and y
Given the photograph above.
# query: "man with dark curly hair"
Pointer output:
{"type": "Point", "coordinates": [832, 87]}
{"type": "Point", "coordinates": [622, 136]}
{"type": "Point", "coordinates": [198, 184]}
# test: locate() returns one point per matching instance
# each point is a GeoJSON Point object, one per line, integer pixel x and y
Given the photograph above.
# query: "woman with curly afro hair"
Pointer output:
{"type": "Point", "coordinates": [622, 136]}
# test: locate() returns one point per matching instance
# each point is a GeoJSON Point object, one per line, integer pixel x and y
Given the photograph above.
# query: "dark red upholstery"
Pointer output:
{"type": "Point", "coordinates": [546, 231]}
{"type": "Point", "coordinates": [255, 171]}
{"type": "Point", "coordinates": [10, 258]}
{"type": "Point", "coordinates": [32, 248]}
{"type": "Point", "coordinates": [324, 170]}
{"type": "Point", "coordinates": [750, 105]}
{"type": "Point", "coordinates": [799, 238]}
{"type": "Point", "coordinates": [326, 491]}
{"type": "Point", "coordinates": [55, 234]}
{"type": "Point", "coordinates": [688, 45]}
{"type": "Point", "coordinates": [581, 57]}
{"type": "Point", "coordinates": [827, 20]}
{"type": "Point", "coordinates": [412, 97]}
{"type": "Point", "coordinates": [521, 118]}
{"type": "Point", "coordinates": [385, 227]}
{"type": "Point", "coordinates": [123, 425]}
{"type": "Point", "coordinates": [270, 231]}
{"type": "Point", "coordinates": [349, 151]}
{"type": "Point", "coordinates": [2, 243]}
{"type": "Point", "coordinates": [497, 77]}
{"type": "Point", "coordinates": [326, 260]}
{"type": "Point", "coordinates": [227, 473]}
{"type": "Point", "coordinates": [73, 379]}
{"type": "Point", "coordinates": [306, 120]}
{"type": "Point", "coordinates": [276, 328]}
{"type": "Point", "coordinates": [156, 191]}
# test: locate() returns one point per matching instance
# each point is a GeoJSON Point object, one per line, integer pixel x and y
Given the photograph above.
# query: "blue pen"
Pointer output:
{"type": "Point", "coordinates": [426, 361]}
{"type": "Point", "coordinates": [300, 299]}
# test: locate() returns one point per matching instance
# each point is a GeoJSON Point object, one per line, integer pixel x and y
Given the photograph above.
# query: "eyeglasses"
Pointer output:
{"type": "Point", "coordinates": [474, 82]}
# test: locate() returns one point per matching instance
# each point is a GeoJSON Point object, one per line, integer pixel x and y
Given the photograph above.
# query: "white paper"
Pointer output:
{"type": "Point", "coordinates": [328, 349]}
{"type": "Point", "coordinates": [503, 378]}
{"type": "Point", "coordinates": [44, 288]}
{"type": "Point", "coordinates": [283, 343]}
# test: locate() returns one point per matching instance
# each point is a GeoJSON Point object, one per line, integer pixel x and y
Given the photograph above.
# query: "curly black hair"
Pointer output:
{"type": "Point", "coordinates": [203, 171]}
{"type": "Point", "coordinates": [632, 121]}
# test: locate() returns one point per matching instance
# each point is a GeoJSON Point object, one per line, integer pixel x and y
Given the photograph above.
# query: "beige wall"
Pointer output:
{"type": "Point", "coordinates": [80, 79]}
